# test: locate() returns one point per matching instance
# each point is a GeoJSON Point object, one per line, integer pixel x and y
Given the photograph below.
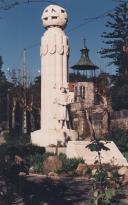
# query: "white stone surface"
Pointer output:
{"type": "Point", "coordinates": [55, 96]}
{"type": "Point", "coordinates": [113, 156]}
{"type": "Point", "coordinates": [46, 138]}
{"type": "Point", "coordinates": [54, 15]}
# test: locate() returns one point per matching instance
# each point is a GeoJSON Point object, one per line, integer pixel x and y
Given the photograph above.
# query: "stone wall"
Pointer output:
{"type": "Point", "coordinates": [80, 115]}
{"type": "Point", "coordinates": [102, 120]}
{"type": "Point", "coordinates": [119, 119]}
{"type": "Point", "coordinates": [79, 120]}
{"type": "Point", "coordinates": [83, 91]}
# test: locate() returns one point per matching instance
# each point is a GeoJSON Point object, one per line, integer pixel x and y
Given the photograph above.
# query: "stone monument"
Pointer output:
{"type": "Point", "coordinates": [54, 51]}
{"type": "Point", "coordinates": [55, 96]}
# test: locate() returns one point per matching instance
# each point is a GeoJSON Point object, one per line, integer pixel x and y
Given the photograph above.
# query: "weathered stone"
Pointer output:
{"type": "Point", "coordinates": [2, 140]}
{"type": "Point", "coordinates": [125, 181]}
{"type": "Point", "coordinates": [79, 149]}
{"type": "Point", "coordinates": [80, 169]}
{"type": "Point", "coordinates": [18, 159]}
{"type": "Point", "coordinates": [52, 164]}
{"type": "Point", "coordinates": [94, 172]}
{"type": "Point", "coordinates": [123, 171]}
{"type": "Point", "coordinates": [53, 175]}
{"type": "Point", "coordinates": [126, 174]}
{"type": "Point", "coordinates": [124, 201]}
{"type": "Point", "coordinates": [96, 194]}
{"type": "Point", "coordinates": [109, 174]}
{"type": "Point", "coordinates": [31, 169]}
{"type": "Point", "coordinates": [55, 121]}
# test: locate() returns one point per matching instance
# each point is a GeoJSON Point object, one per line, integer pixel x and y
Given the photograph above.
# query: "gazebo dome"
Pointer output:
{"type": "Point", "coordinates": [84, 63]}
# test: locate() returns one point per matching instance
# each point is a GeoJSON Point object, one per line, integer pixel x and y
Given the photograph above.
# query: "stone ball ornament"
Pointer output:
{"type": "Point", "coordinates": [54, 15]}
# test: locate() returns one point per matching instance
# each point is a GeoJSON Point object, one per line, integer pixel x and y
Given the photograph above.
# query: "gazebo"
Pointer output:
{"type": "Point", "coordinates": [84, 69]}
{"type": "Point", "coordinates": [84, 77]}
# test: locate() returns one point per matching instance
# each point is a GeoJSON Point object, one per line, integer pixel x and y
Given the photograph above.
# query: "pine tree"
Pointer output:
{"type": "Point", "coordinates": [116, 39]}
{"type": "Point", "coordinates": [2, 75]}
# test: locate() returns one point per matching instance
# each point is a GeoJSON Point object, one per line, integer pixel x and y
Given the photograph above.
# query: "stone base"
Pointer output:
{"type": "Point", "coordinates": [53, 150]}
{"type": "Point", "coordinates": [44, 138]}
{"type": "Point", "coordinates": [113, 156]}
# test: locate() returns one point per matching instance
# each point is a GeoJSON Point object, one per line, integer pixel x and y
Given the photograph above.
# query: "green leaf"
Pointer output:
{"type": "Point", "coordinates": [97, 146]}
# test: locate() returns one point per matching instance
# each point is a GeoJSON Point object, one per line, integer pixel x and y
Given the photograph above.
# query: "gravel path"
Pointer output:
{"type": "Point", "coordinates": [39, 190]}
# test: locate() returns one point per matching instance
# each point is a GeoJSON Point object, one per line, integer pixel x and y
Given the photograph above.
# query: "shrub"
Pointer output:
{"type": "Point", "coordinates": [47, 154]}
{"type": "Point", "coordinates": [35, 161]}
{"type": "Point", "coordinates": [120, 137]}
{"type": "Point", "coordinates": [21, 150]}
{"type": "Point", "coordinates": [18, 139]}
{"type": "Point", "coordinates": [69, 164]}
{"type": "Point", "coordinates": [36, 157]}
{"type": "Point", "coordinates": [30, 149]}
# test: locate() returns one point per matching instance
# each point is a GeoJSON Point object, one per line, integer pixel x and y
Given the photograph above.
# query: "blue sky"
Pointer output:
{"type": "Point", "coordinates": [21, 27]}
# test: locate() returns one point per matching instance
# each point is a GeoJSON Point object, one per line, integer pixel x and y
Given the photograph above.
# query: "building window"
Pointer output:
{"type": "Point", "coordinates": [75, 93]}
{"type": "Point", "coordinates": [83, 92]}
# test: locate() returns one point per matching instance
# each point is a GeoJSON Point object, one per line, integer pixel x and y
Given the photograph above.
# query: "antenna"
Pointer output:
{"type": "Point", "coordinates": [24, 70]}
{"type": "Point", "coordinates": [24, 84]}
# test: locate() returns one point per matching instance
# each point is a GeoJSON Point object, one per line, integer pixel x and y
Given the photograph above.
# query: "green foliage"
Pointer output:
{"type": "Point", "coordinates": [47, 154]}
{"type": "Point", "coordinates": [4, 87]}
{"type": "Point", "coordinates": [33, 155]}
{"type": "Point", "coordinates": [104, 191]}
{"type": "Point", "coordinates": [69, 164]}
{"type": "Point", "coordinates": [35, 162]}
{"type": "Point", "coordinates": [30, 149]}
{"type": "Point", "coordinates": [21, 150]}
{"type": "Point", "coordinates": [120, 137]}
{"type": "Point", "coordinates": [119, 93]}
{"type": "Point", "coordinates": [100, 175]}
{"type": "Point", "coordinates": [97, 146]}
{"type": "Point", "coordinates": [105, 198]}
{"type": "Point", "coordinates": [87, 171]}
{"type": "Point", "coordinates": [17, 139]}
{"type": "Point", "coordinates": [62, 157]}
{"type": "Point", "coordinates": [117, 36]}
{"type": "Point", "coordinates": [126, 155]}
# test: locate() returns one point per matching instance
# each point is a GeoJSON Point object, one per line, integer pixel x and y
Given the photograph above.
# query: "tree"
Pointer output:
{"type": "Point", "coordinates": [4, 86]}
{"type": "Point", "coordinates": [119, 93]}
{"type": "Point", "coordinates": [116, 39]}
{"type": "Point", "coordinates": [36, 100]}
{"type": "Point", "coordinates": [2, 75]}
{"type": "Point", "coordinates": [1, 62]}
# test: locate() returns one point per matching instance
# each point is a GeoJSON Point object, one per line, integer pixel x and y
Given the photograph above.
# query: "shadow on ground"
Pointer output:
{"type": "Point", "coordinates": [67, 191]}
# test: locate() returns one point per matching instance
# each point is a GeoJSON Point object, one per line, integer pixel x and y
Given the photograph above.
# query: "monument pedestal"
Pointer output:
{"type": "Point", "coordinates": [113, 156]}
{"type": "Point", "coordinates": [78, 149]}
{"type": "Point", "coordinates": [44, 138]}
